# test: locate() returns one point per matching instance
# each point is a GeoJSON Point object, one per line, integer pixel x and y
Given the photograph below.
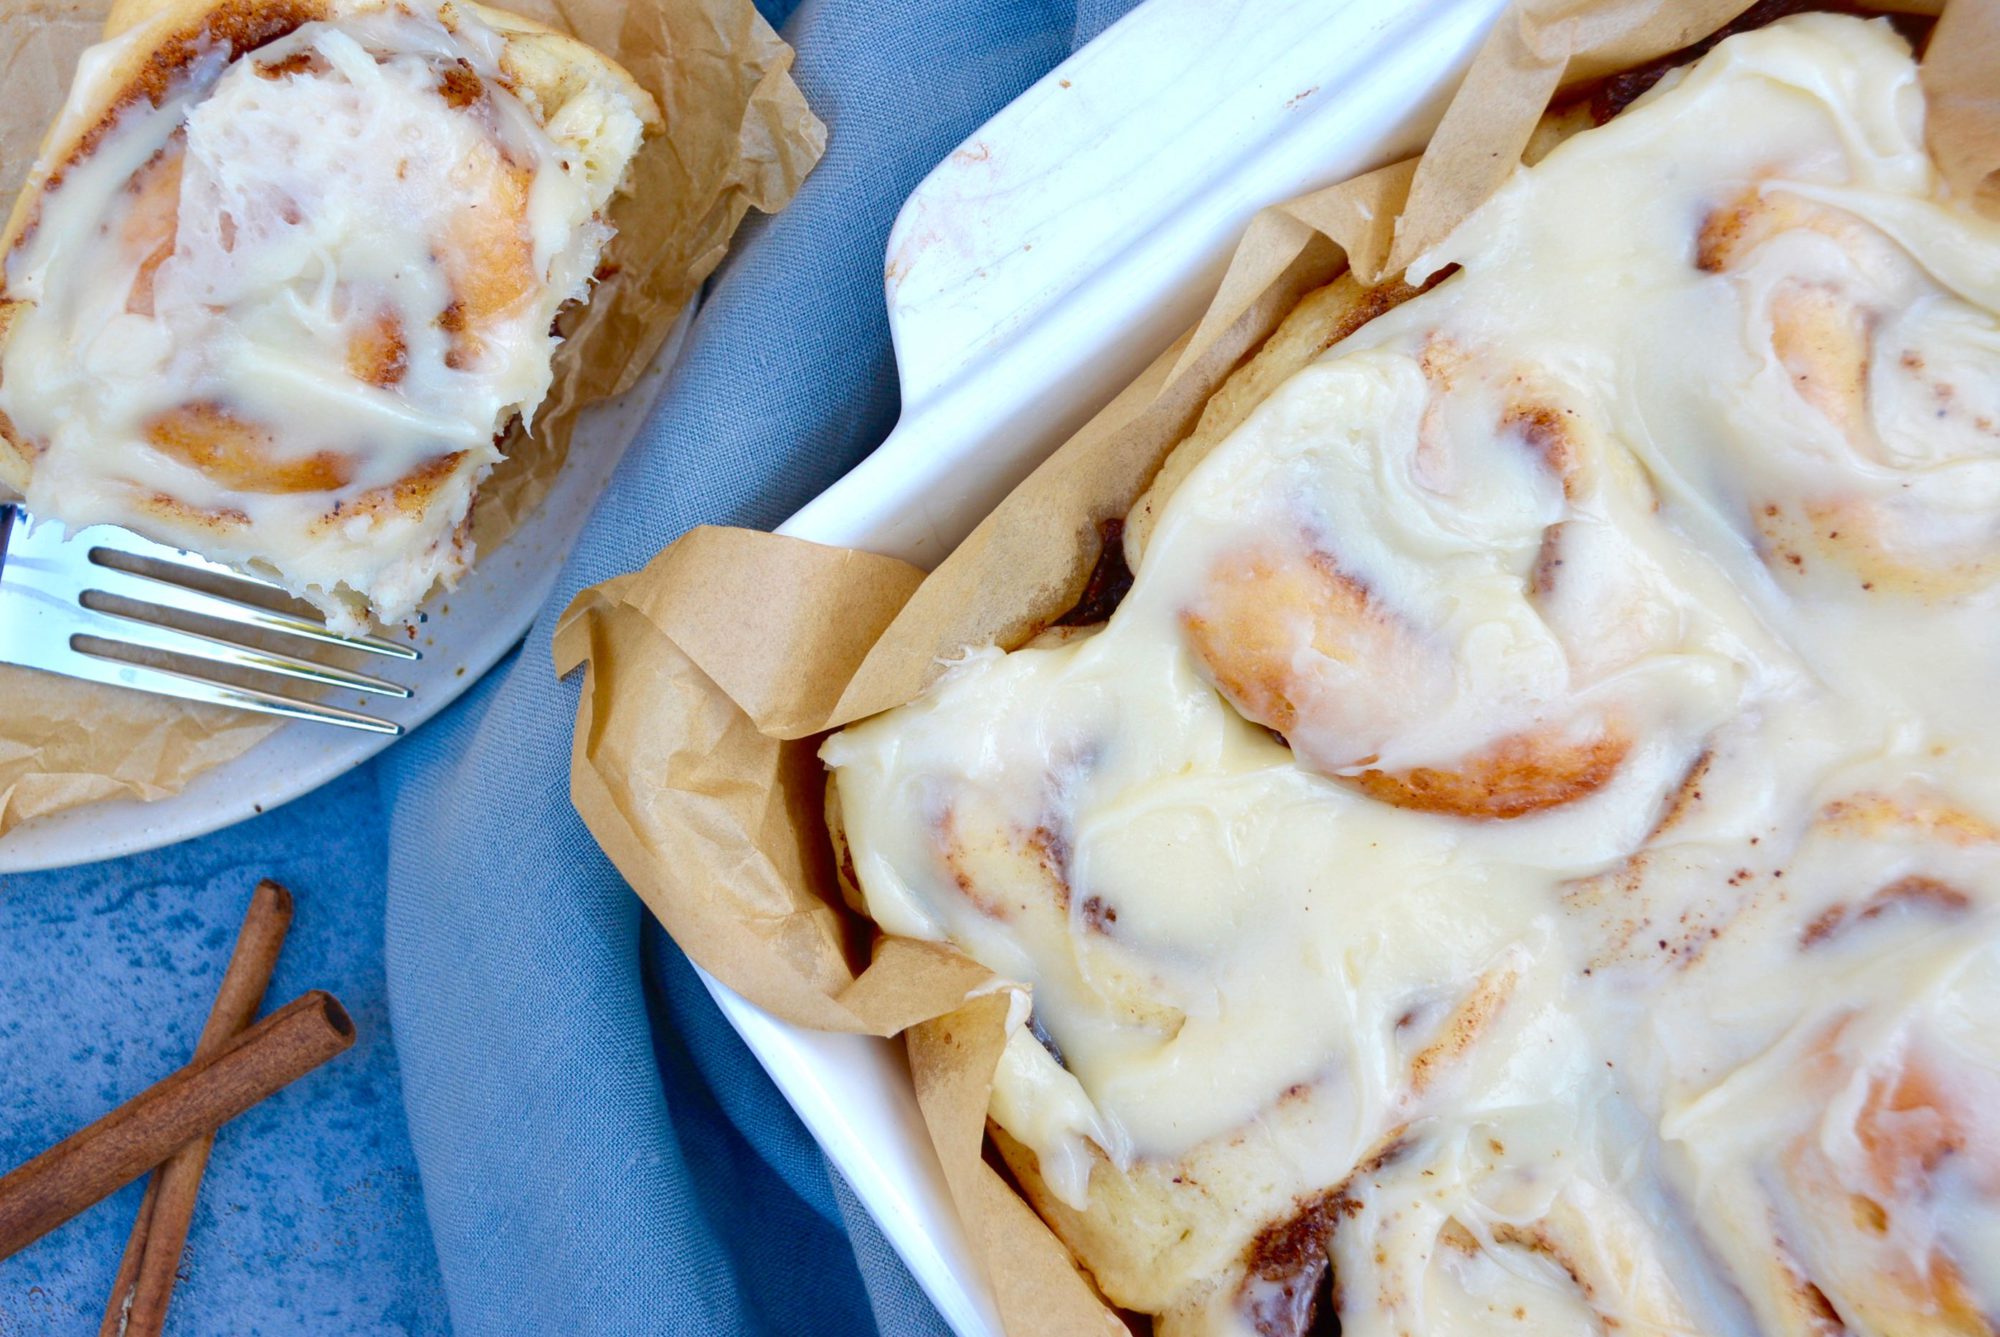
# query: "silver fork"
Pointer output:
{"type": "Point", "coordinates": [46, 623]}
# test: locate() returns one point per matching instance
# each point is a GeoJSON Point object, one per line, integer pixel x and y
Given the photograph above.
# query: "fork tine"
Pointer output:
{"type": "Point", "coordinates": [188, 687]}
{"type": "Point", "coordinates": [158, 589]}
{"type": "Point", "coordinates": [123, 540]}
{"type": "Point", "coordinates": [45, 625]}
{"type": "Point", "coordinates": [132, 630]}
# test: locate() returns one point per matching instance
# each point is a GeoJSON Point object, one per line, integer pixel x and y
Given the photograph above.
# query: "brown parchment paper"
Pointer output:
{"type": "Point", "coordinates": [712, 674]}
{"type": "Point", "coordinates": [738, 136]}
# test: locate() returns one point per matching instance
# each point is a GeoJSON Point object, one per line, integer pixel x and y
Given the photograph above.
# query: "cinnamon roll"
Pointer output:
{"type": "Point", "coordinates": [284, 273]}
{"type": "Point", "coordinates": [1467, 547]}
{"type": "Point", "coordinates": [1832, 1124]}
{"type": "Point", "coordinates": [1877, 342]}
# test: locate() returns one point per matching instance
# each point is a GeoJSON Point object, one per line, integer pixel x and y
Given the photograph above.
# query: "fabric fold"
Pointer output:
{"type": "Point", "coordinates": [599, 1150]}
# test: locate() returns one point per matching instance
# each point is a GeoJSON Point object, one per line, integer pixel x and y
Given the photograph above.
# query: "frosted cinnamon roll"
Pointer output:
{"type": "Point", "coordinates": [1877, 331]}
{"type": "Point", "coordinates": [1506, 1221]}
{"type": "Point", "coordinates": [1834, 1123]}
{"type": "Point", "coordinates": [1444, 614]}
{"type": "Point", "coordinates": [285, 272]}
{"type": "Point", "coordinates": [1467, 885]}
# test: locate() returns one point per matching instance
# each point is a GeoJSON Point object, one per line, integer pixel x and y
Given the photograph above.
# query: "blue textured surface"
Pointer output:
{"type": "Point", "coordinates": [310, 1218]}
{"type": "Point", "coordinates": [598, 1151]}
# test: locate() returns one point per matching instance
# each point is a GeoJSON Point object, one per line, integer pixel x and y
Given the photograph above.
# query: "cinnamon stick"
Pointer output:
{"type": "Point", "coordinates": [145, 1130]}
{"type": "Point", "coordinates": [146, 1274]}
{"type": "Point", "coordinates": [125, 1283]}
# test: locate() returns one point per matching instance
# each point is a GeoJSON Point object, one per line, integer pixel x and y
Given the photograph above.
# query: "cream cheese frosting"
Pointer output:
{"type": "Point", "coordinates": [299, 295]}
{"type": "Point", "coordinates": [1532, 822]}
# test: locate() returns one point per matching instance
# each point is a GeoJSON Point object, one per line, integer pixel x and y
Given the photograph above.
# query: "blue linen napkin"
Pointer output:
{"type": "Point", "coordinates": [599, 1153]}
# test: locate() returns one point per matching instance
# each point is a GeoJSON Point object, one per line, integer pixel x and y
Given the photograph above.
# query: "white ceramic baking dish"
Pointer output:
{"type": "Point", "coordinates": [1030, 277]}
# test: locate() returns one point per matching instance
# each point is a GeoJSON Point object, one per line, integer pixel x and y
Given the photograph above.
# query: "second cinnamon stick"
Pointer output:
{"type": "Point", "coordinates": [146, 1273]}
{"type": "Point", "coordinates": [144, 1131]}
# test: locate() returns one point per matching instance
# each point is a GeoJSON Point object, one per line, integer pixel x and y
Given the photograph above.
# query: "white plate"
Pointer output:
{"type": "Point", "coordinates": [464, 634]}
{"type": "Point", "coordinates": [1030, 278]}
